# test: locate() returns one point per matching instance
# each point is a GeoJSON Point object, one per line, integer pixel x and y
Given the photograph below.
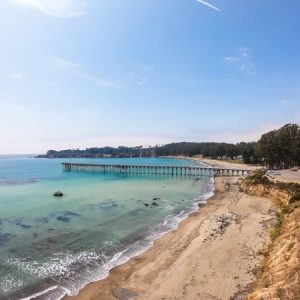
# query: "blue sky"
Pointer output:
{"type": "Point", "coordinates": [83, 73]}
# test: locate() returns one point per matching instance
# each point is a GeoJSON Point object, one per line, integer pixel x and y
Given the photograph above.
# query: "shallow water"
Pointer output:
{"type": "Point", "coordinates": [52, 246]}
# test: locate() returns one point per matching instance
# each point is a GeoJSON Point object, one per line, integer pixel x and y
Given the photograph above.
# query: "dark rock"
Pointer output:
{"type": "Point", "coordinates": [4, 238]}
{"type": "Point", "coordinates": [123, 294]}
{"type": "Point", "coordinates": [58, 194]}
{"type": "Point", "coordinates": [70, 213]}
{"type": "Point", "coordinates": [41, 220]}
{"type": "Point", "coordinates": [51, 241]}
{"type": "Point", "coordinates": [105, 205]}
{"type": "Point", "coordinates": [63, 219]}
{"type": "Point", "coordinates": [22, 225]}
{"type": "Point", "coordinates": [108, 205]}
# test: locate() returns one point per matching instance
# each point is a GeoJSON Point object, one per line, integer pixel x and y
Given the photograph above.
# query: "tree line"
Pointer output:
{"type": "Point", "coordinates": [275, 149]}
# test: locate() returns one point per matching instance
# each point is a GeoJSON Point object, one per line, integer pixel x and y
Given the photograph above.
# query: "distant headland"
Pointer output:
{"type": "Point", "coordinates": [277, 149]}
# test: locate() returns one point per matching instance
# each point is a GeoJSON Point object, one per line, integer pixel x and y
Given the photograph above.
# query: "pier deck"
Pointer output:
{"type": "Point", "coordinates": [155, 170]}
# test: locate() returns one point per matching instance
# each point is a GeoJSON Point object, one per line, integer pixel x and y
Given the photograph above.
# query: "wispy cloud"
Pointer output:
{"type": "Point", "coordinates": [18, 76]}
{"type": "Point", "coordinates": [12, 107]}
{"type": "Point", "coordinates": [231, 135]}
{"type": "Point", "coordinates": [65, 64]}
{"type": "Point", "coordinates": [56, 8]}
{"type": "Point", "coordinates": [285, 101]}
{"type": "Point", "coordinates": [232, 59]}
{"type": "Point", "coordinates": [242, 59]}
{"type": "Point", "coordinates": [142, 81]}
{"type": "Point", "coordinates": [208, 5]}
{"type": "Point", "coordinates": [79, 70]}
{"type": "Point", "coordinates": [101, 82]}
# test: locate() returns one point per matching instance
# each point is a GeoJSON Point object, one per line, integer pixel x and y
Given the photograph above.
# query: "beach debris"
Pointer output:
{"type": "Point", "coordinates": [63, 219]}
{"type": "Point", "coordinates": [123, 294]}
{"type": "Point", "coordinates": [58, 194]}
{"type": "Point", "coordinates": [218, 225]}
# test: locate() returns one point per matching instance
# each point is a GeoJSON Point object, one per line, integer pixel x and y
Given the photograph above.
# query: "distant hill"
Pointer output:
{"type": "Point", "coordinates": [279, 149]}
{"type": "Point", "coordinates": [185, 148]}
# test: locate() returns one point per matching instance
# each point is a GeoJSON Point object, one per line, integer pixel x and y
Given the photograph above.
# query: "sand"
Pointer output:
{"type": "Point", "coordinates": [213, 254]}
{"type": "Point", "coordinates": [286, 175]}
{"type": "Point", "coordinates": [225, 163]}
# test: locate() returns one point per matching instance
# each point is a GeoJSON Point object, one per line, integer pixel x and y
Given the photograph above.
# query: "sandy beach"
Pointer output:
{"type": "Point", "coordinates": [213, 254]}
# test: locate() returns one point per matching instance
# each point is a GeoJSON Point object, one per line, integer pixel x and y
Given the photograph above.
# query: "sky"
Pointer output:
{"type": "Point", "coordinates": [91, 73]}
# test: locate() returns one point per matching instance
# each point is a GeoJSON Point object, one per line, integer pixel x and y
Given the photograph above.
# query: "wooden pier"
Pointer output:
{"type": "Point", "coordinates": [155, 170]}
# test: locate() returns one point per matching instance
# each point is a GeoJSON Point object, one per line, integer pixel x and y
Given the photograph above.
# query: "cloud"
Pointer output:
{"type": "Point", "coordinates": [18, 76]}
{"type": "Point", "coordinates": [12, 107]}
{"type": "Point", "coordinates": [101, 82]}
{"type": "Point", "coordinates": [232, 59]}
{"type": "Point", "coordinates": [65, 64]}
{"type": "Point", "coordinates": [231, 135]}
{"type": "Point", "coordinates": [243, 60]}
{"type": "Point", "coordinates": [55, 8]}
{"type": "Point", "coordinates": [285, 101]}
{"type": "Point", "coordinates": [244, 50]}
{"type": "Point", "coordinates": [142, 81]}
{"type": "Point", "coordinates": [79, 70]}
{"type": "Point", "coordinates": [208, 5]}
{"type": "Point", "coordinates": [247, 68]}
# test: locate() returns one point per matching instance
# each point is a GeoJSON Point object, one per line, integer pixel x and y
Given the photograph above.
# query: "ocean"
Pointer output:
{"type": "Point", "coordinates": [52, 246]}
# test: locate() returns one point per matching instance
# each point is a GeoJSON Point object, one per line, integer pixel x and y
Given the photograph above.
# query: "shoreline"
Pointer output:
{"type": "Point", "coordinates": [131, 252]}
{"type": "Point", "coordinates": [191, 244]}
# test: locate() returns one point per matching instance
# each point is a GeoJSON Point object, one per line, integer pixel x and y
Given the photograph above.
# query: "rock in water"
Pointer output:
{"type": "Point", "coordinates": [58, 194]}
{"type": "Point", "coordinates": [63, 219]}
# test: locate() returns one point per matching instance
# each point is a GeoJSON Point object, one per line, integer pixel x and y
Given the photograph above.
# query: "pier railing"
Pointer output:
{"type": "Point", "coordinates": [156, 170]}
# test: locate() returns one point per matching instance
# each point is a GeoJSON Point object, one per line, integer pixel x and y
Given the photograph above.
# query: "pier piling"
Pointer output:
{"type": "Point", "coordinates": [155, 170]}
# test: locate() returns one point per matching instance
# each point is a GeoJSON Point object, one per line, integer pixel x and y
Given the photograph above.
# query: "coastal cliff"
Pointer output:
{"type": "Point", "coordinates": [280, 269]}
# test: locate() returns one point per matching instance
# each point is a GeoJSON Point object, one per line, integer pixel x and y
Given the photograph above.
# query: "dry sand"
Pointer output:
{"type": "Point", "coordinates": [225, 163]}
{"type": "Point", "coordinates": [213, 254]}
{"type": "Point", "coordinates": [286, 175]}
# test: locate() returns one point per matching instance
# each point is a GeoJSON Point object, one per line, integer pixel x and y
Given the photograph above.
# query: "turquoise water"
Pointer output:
{"type": "Point", "coordinates": [51, 246]}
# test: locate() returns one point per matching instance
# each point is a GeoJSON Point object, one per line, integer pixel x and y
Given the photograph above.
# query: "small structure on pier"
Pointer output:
{"type": "Point", "coordinates": [155, 170]}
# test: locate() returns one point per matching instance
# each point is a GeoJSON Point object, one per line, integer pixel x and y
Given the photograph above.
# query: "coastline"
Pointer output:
{"type": "Point", "coordinates": [188, 263]}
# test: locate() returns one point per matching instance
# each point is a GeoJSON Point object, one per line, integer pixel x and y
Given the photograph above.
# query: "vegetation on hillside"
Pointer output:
{"type": "Point", "coordinates": [261, 177]}
{"type": "Point", "coordinates": [276, 149]}
{"type": "Point", "coordinates": [279, 272]}
{"type": "Point", "coordinates": [280, 148]}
